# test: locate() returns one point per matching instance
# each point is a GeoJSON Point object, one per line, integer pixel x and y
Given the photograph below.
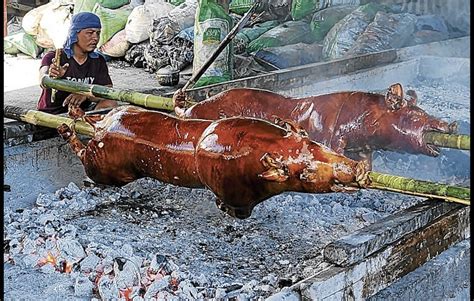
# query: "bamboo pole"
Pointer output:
{"type": "Point", "coordinates": [448, 140]}
{"type": "Point", "coordinates": [137, 98]}
{"type": "Point", "coordinates": [404, 185]}
{"type": "Point", "coordinates": [46, 119]}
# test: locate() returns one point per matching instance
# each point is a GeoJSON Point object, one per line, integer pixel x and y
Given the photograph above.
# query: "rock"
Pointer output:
{"type": "Point", "coordinates": [83, 287]}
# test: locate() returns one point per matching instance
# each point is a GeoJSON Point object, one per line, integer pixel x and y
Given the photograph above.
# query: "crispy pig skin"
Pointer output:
{"type": "Point", "coordinates": [242, 160]}
{"type": "Point", "coordinates": [351, 123]}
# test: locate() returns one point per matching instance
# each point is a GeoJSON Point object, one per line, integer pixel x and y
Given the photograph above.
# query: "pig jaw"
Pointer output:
{"type": "Point", "coordinates": [410, 139]}
{"type": "Point", "coordinates": [335, 177]}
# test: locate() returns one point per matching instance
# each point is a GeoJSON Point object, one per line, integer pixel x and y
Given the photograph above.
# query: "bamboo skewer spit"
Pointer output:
{"type": "Point", "coordinates": [378, 180]}
{"type": "Point", "coordinates": [448, 140]}
{"type": "Point", "coordinates": [137, 98]}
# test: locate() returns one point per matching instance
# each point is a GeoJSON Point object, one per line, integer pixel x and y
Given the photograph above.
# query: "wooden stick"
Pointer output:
{"type": "Point", "coordinates": [448, 140]}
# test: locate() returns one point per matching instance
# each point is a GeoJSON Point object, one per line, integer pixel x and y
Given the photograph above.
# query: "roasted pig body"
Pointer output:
{"type": "Point", "coordinates": [351, 123]}
{"type": "Point", "coordinates": [242, 160]}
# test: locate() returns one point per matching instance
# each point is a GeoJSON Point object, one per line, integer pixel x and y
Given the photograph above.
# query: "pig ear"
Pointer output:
{"type": "Point", "coordinates": [413, 98]}
{"type": "Point", "coordinates": [394, 97]}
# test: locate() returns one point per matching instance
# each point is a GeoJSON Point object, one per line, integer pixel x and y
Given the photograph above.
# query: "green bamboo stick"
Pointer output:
{"type": "Point", "coordinates": [133, 97]}
{"type": "Point", "coordinates": [448, 140]}
{"type": "Point", "coordinates": [420, 188]}
{"type": "Point", "coordinates": [47, 120]}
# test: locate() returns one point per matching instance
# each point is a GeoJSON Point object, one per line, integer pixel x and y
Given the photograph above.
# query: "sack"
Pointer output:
{"type": "Point", "coordinates": [290, 55]}
{"type": "Point", "coordinates": [163, 31]}
{"type": "Point", "coordinates": [342, 36]}
{"type": "Point", "coordinates": [176, 2]}
{"type": "Point", "coordinates": [49, 23]}
{"type": "Point", "coordinates": [181, 51]}
{"type": "Point", "coordinates": [302, 8]}
{"type": "Point", "coordinates": [140, 21]}
{"type": "Point", "coordinates": [212, 25]}
{"type": "Point", "coordinates": [135, 54]}
{"type": "Point", "coordinates": [387, 31]}
{"type": "Point", "coordinates": [248, 34]}
{"type": "Point", "coordinates": [112, 20]}
{"type": "Point", "coordinates": [117, 46]}
{"type": "Point", "coordinates": [291, 32]}
{"type": "Point", "coordinates": [21, 42]}
{"type": "Point", "coordinates": [325, 19]}
{"type": "Point", "coordinates": [240, 7]}
{"type": "Point", "coordinates": [88, 5]}
{"type": "Point", "coordinates": [184, 14]}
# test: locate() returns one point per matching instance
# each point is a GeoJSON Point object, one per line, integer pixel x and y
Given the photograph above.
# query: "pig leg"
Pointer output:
{"type": "Point", "coordinates": [240, 213]}
{"type": "Point", "coordinates": [70, 136]}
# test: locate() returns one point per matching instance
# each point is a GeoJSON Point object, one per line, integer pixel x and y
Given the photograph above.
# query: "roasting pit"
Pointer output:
{"type": "Point", "coordinates": [85, 242]}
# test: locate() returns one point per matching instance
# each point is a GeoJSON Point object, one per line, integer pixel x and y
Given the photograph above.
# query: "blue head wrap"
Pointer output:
{"type": "Point", "coordinates": [79, 22]}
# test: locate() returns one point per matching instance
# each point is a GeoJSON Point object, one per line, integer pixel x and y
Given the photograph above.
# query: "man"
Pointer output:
{"type": "Point", "coordinates": [78, 62]}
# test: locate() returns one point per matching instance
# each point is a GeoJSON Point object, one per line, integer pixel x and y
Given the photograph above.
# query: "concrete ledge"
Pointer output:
{"type": "Point", "coordinates": [365, 279]}
{"type": "Point", "coordinates": [355, 247]}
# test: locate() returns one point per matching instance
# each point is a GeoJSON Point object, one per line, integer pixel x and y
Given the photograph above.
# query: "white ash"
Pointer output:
{"type": "Point", "coordinates": [162, 240]}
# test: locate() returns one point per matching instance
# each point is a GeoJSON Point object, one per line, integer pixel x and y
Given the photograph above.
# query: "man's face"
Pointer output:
{"type": "Point", "coordinates": [88, 38]}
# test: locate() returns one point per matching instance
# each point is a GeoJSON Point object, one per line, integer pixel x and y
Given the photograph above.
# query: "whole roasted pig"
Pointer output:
{"type": "Point", "coordinates": [242, 160]}
{"type": "Point", "coordinates": [351, 123]}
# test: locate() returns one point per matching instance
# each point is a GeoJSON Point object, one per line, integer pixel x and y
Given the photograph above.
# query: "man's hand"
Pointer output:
{"type": "Point", "coordinates": [74, 100]}
{"type": "Point", "coordinates": [57, 71]}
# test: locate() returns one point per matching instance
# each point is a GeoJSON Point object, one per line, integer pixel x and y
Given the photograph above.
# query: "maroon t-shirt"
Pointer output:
{"type": "Point", "coordinates": [92, 71]}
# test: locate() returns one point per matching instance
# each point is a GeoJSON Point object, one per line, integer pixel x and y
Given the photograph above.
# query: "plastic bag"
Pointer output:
{"type": "Point", "coordinates": [163, 31]}
{"type": "Point", "coordinates": [176, 2]}
{"type": "Point", "coordinates": [387, 31]}
{"type": "Point", "coordinates": [342, 36]}
{"type": "Point", "coordinates": [290, 55]}
{"type": "Point", "coordinates": [212, 25]}
{"type": "Point", "coordinates": [140, 20]}
{"type": "Point", "coordinates": [21, 42]}
{"type": "Point", "coordinates": [181, 52]}
{"type": "Point", "coordinates": [135, 54]}
{"type": "Point", "coordinates": [291, 32]}
{"type": "Point", "coordinates": [184, 14]}
{"type": "Point", "coordinates": [88, 5]}
{"type": "Point", "coordinates": [247, 35]}
{"type": "Point", "coordinates": [325, 19]}
{"type": "Point", "coordinates": [302, 8]}
{"type": "Point", "coordinates": [112, 20]}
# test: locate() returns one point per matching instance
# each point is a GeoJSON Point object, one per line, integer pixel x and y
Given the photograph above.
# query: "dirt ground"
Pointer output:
{"type": "Point", "coordinates": [21, 81]}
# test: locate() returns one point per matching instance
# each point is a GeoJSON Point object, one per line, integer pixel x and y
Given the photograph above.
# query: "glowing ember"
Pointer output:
{"type": "Point", "coordinates": [50, 258]}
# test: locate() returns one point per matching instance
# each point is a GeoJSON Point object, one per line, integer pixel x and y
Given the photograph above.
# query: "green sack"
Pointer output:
{"type": "Point", "coordinates": [176, 2]}
{"type": "Point", "coordinates": [240, 7]}
{"type": "Point", "coordinates": [248, 34]}
{"type": "Point", "coordinates": [88, 5]}
{"type": "Point", "coordinates": [21, 42]}
{"type": "Point", "coordinates": [291, 32]}
{"type": "Point", "coordinates": [112, 20]}
{"type": "Point", "coordinates": [302, 8]}
{"type": "Point", "coordinates": [211, 26]}
{"type": "Point", "coordinates": [325, 19]}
